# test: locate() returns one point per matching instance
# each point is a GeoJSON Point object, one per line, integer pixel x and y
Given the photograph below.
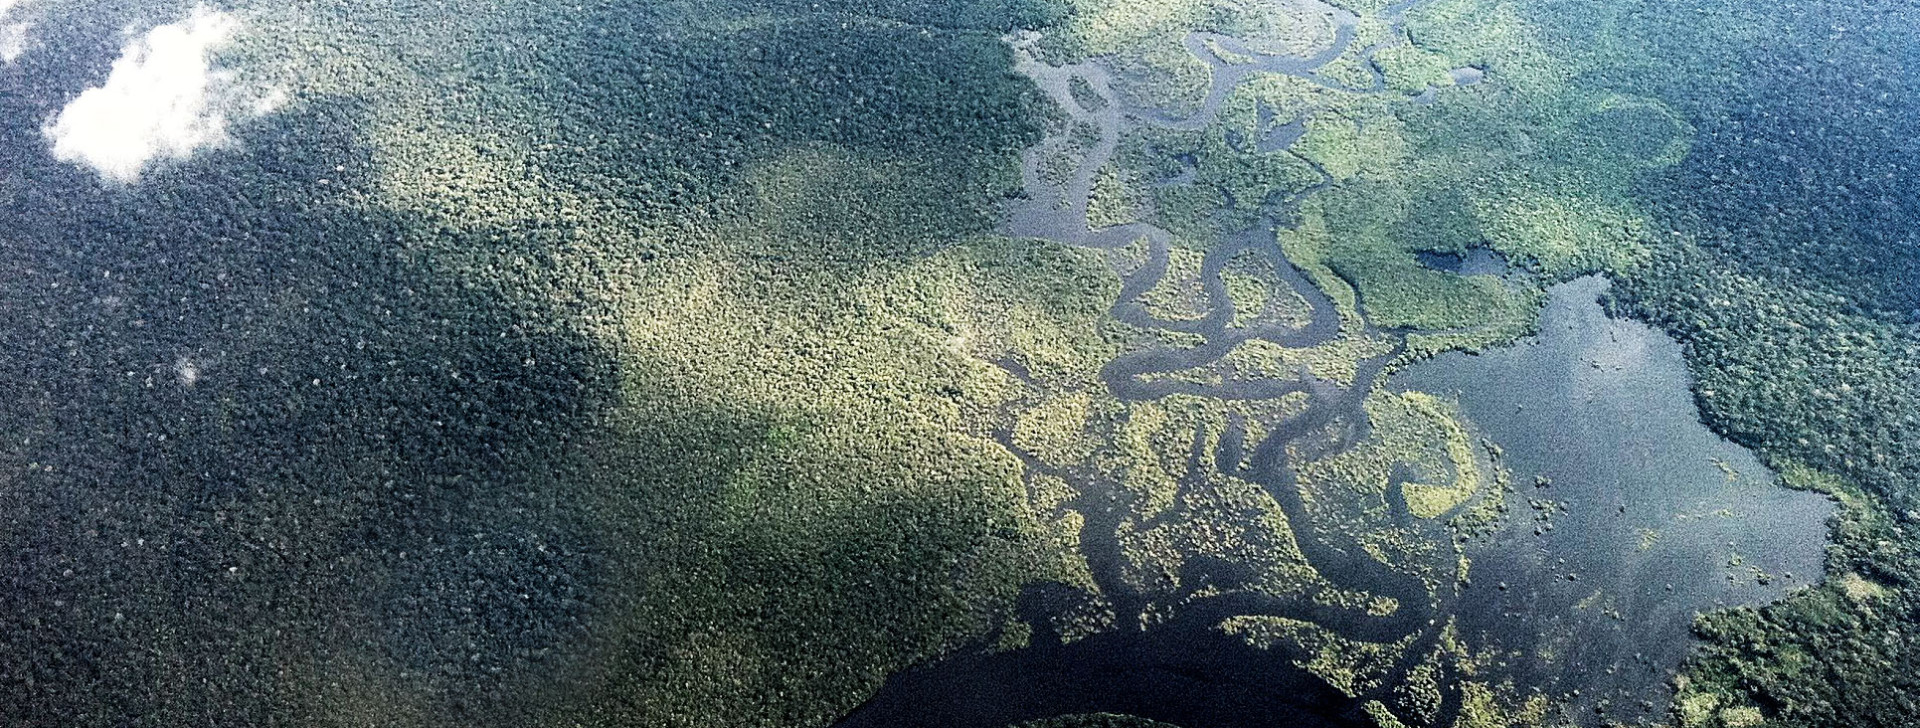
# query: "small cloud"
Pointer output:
{"type": "Point", "coordinates": [13, 40]}
{"type": "Point", "coordinates": [162, 99]}
{"type": "Point", "coordinates": [13, 35]}
{"type": "Point", "coordinates": [268, 101]}
{"type": "Point", "coordinates": [187, 371]}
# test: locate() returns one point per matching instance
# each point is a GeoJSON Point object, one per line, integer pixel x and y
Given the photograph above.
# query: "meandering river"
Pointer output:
{"type": "Point", "coordinates": [1643, 515]}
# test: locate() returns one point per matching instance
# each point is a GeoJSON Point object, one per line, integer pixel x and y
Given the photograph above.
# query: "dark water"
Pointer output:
{"type": "Point", "coordinates": [1183, 672]}
{"type": "Point", "coordinates": [1476, 261]}
{"type": "Point", "coordinates": [1654, 516]}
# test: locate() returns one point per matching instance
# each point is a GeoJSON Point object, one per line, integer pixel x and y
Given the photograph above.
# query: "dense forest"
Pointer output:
{"type": "Point", "coordinates": [656, 363]}
{"type": "Point", "coordinates": [1780, 252]}
{"type": "Point", "coordinates": [1797, 303]}
{"type": "Point", "coordinates": [377, 412]}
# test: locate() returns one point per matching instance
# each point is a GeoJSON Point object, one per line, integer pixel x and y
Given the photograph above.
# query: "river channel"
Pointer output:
{"type": "Point", "coordinates": [1643, 515]}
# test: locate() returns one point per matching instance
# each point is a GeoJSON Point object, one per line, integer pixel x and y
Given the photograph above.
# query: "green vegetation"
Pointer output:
{"type": "Point", "coordinates": [653, 364]}
{"type": "Point", "coordinates": [1429, 500]}
{"type": "Point", "coordinates": [1055, 429]}
{"type": "Point", "coordinates": [1221, 518]}
{"type": "Point", "coordinates": [1116, 27]}
{"type": "Point", "coordinates": [1355, 245]}
{"type": "Point", "coordinates": [1179, 294]}
{"type": "Point", "coordinates": [1337, 360]}
{"type": "Point", "coordinates": [1116, 199]}
{"type": "Point", "coordinates": [1418, 454]}
{"type": "Point", "coordinates": [1364, 230]}
{"type": "Point", "coordinates": [1161, 74]}
{"type": "Point", "coordinates": [1771, 255]}
{"type": "Point", "coordinates": [1282, 28]}
{"type": "Point", "coordinates": [782, 507]}
{"type": "Point", "coordinates": [1482, 706]}
{"type": "Point", "coordinates": [1351, 666]}
{"type": "Point", "coordinates": [1545, 163]}
{"type": "Point", "coordinates": [1673, 155]}
{"type": "Point", "coordinates": [1260, 295]}
{"type": "Point", "coordinates": [611, 364]}
{"type": "Point", "coordinates": [1350, 143]}
{"type": "Point", "coordinates": [1410, 69]}
{"type": "Point", "coordinates": [1095, 720]}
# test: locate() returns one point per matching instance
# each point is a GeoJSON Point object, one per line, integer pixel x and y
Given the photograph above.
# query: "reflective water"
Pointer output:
{"type": "Point", "coordinates": [1630, 515]}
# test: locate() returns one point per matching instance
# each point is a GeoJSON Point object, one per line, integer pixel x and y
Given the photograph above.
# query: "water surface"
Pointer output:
{"type": "Point", "coordinates": [1630, 515]}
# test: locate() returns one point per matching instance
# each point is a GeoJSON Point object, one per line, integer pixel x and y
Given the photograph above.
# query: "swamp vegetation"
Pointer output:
{"type": "Point", "coordinates": [745, 362]}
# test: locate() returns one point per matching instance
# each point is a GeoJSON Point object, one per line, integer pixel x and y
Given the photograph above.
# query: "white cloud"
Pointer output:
{"type": "Point", "coordinates": [13, 35]}
{"type": "Point", "coordinates": [13, 39]}
{"type": "Point", "coordinates": [162, 99]}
